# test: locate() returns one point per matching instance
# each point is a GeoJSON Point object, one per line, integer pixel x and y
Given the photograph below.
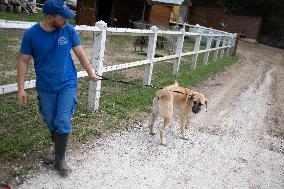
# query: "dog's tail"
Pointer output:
{"type": "Point", "coordinates": [165, 92]}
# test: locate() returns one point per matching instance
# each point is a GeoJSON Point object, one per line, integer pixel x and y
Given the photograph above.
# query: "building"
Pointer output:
{"type": "Point", "coordinates": [122, 13]}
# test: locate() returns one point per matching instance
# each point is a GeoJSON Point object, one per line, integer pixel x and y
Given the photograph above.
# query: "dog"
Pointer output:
{"type": "Point", "coordinates": [175, 99]}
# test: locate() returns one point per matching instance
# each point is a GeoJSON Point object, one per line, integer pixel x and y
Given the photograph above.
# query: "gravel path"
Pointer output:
{"type": "Point", "coordinates": [237, 143]}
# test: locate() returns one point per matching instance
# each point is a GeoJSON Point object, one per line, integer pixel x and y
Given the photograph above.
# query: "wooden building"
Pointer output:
{"type": "Point", "coordinates": [246, 26]}
{"type": "Point", "coordinates": [163, 11]}
{"type": "Point", "coordinates": [122, 13]}
{"type": "Point", "coordinates": [116, 13]}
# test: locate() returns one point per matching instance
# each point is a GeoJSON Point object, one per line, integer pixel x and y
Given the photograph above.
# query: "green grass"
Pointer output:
{"type": "Point", "coordinates": [26, 17]}
{"type": "Point", "coordinates": [22, 17]}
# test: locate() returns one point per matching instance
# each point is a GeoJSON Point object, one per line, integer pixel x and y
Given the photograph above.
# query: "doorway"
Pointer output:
{"type": "Point", "coordinates": [104, 9]}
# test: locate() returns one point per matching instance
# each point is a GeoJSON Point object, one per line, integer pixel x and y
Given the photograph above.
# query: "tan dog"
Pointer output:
{"type": "Point", "coordinates": [176, 99]}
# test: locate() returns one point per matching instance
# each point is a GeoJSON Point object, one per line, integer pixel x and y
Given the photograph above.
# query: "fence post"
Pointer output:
{"type": "Point", "coordinates": [223, 45]}
{"type": "Point", "coordinates": [217, 46]}
{"type": "Point", "coordinates": [179, 46]}
{"type": "Point", "coordinates": [150, 55]}
{"type": "Point", "coordinates": [97, 64]}
{"type": "Point", "coordinates": [235, 43]}
{"type": "Point", "coordinates": [196, 49]}
{"type": "Point", "coordinates": [208, 46]}
{"type": "Point", "coordinates": [229, 43]}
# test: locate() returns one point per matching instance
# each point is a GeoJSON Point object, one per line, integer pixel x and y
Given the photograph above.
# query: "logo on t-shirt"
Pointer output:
{"type": "Point", "coordinates": [62, 41]}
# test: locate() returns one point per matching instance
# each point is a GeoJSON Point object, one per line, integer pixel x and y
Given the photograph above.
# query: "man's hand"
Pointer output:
{"type": "Point", "coordinates": [22, 97]}
{"type": "Point", "coordinates": [95, 77]}
{"type": "Point", "coordinates": [81, 55]}
{"type": "Point", "coordinates": [22, 70]}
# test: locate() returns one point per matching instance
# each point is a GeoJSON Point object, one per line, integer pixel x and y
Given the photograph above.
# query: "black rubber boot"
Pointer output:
{"type": "Point", "coordinates": [60, 165]}
{"type": "Point", "coordinates": [49, 158]}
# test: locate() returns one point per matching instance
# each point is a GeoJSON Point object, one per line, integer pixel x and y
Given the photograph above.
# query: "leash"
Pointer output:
{"type": "Point", "coordinates": [125, 82]}
{"type": "Point", "coordinates": [131, 83]}
{"type": "Point", "coordinates": [187, 94]}
{"type": "Point", "coordinates": [119, 81]}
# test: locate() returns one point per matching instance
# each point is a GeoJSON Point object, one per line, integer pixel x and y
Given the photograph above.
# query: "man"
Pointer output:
{"type": "Point", "coordinates": [49, 42]}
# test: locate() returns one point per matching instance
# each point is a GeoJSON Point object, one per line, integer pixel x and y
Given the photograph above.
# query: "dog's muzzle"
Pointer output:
{"type": "Point", "coordinates": [196, 107]}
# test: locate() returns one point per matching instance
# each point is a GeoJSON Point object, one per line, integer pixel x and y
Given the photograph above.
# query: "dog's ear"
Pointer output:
{"type": "Point", "coordinates": [206, 103]}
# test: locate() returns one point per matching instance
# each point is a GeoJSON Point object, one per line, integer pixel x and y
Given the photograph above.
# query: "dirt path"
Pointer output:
{"type": "Point", "coordinates": [237, 143]}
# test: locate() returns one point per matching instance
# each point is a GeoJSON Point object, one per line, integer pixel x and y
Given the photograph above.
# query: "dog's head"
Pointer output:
{"type": "Point", "coordinates": [199, 101]}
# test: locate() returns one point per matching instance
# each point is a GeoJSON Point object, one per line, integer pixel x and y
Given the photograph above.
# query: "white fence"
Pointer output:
{"type": "Point", "coordinates": [100, 33]}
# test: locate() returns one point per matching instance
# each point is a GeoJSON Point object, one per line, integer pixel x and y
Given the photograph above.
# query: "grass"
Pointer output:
{"type": "Point", "coordinates": [26, 17]}
{"type": "Point", "coordinates": [22, 17]}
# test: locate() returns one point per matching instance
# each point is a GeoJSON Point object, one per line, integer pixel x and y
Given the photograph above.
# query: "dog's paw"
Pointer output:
{"type": "Point", "coordinates": [152, 133]}
{"type": "Point", "coordinates": [163, 144]}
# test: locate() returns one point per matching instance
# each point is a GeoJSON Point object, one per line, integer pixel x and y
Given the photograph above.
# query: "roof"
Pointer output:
{"type": "Point", "coordinates": [168, 2]}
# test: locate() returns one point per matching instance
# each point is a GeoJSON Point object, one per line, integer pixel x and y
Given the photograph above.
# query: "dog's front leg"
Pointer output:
{"type": "Point", "coordinates": [187, 119]}
{"type": "Point", "coordinates": [162, 130]}
{"type": "Point", "coordinates": [182, 126]}
{"type": "Point", "coordinates": [151, 126]}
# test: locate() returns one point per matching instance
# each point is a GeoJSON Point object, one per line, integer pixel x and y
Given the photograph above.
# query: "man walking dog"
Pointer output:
{"type": "Point", "coordinates": [49, 42]}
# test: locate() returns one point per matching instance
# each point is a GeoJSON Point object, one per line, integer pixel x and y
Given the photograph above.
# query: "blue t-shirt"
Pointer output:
{"type": "Point", "coordinates": [53, 64]}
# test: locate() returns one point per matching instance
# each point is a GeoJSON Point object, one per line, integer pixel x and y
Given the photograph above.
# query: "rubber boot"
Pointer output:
{"type": "Point", "coordinates": [60, 165]}
{"type": "Point", "coordinates": [49, 158]}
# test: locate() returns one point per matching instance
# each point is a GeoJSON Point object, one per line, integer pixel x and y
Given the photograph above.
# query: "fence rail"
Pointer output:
{"type": "Point", "coordinates": [224, 43]}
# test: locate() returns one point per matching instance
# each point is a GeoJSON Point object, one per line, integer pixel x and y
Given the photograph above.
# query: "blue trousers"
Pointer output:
{"type": "Point", "coordinates": [57, 109]}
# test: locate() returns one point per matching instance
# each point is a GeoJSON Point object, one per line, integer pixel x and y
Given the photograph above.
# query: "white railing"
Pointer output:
{"type": "Point", "coordinates": [100, 33]}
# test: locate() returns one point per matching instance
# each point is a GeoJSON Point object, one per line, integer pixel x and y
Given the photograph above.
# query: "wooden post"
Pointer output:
{"type": "Point", "coordinates": [196, 49]}
{"type": "Point", "coordinates": [235, 43]}
{"type": "Point", "coordinates": [229, 43]}
{"type": "Point", "coordinates": [217, 46]}
{"type": "Point", "coordinates": [208, 46]}
{"type": "Point", "coordinates": [97, 64]}
{"type": "Point", "coordinates": [3, 7]}
{"type": "Point", "coordinates": [223, 45]}
{"type": "Point", "coordinates": [17, 9]}
{"type": "Point", "coordinates": [179, 47]}
{"type": "Point", "coordinates": [10, 8]}
{"type": "Point", "coordinates": [150, 55]}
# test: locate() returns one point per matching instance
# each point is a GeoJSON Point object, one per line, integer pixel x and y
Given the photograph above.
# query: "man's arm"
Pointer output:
{"type": "Point", "coordinates": [81, 55]}
{"type": "Point", "coordinates": [22, 70]}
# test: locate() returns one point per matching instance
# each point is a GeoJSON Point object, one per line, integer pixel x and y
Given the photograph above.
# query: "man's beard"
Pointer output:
{"type": "Point", "coordinates": [58, 26]}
